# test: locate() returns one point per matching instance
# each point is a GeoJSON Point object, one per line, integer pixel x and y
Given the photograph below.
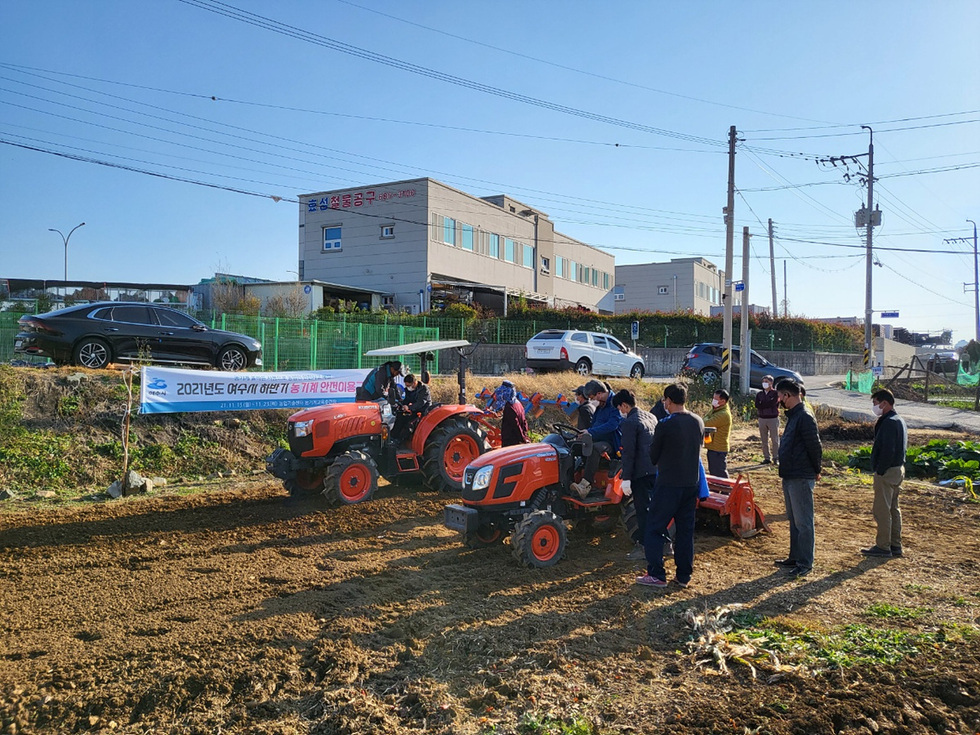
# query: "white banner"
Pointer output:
{"type": "Point", "coordinates": [172, 390]}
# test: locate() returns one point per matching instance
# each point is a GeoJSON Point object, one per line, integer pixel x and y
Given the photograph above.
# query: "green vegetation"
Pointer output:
{"type": "Point", "coordinates": [533, 724]}
{"type": "Point", "coordinates": [886, 610]}
{"type": "Point", "coordinates": [940, 458]}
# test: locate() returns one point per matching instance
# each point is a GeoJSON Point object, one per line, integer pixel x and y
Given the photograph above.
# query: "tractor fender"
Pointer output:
{"type": "Point", "coordinates": [431, 421]}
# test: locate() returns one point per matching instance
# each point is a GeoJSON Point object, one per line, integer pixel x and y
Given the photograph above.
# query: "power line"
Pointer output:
{"type": "Point", "coordinates": [875, 122]}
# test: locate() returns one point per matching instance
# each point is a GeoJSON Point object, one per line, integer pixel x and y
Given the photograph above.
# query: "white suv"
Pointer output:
{"type": "Point", "coordinates": [584, 352]}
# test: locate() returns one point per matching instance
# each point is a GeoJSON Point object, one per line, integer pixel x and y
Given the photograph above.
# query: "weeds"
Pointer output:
{"type": "Point", "coordinates": [895, 612]}
{"type": "Point", "coordinates": [532, 724]}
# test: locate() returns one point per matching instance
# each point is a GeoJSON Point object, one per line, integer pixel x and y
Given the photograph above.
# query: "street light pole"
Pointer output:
{"type": "Point", "coordinates": [66, 239]}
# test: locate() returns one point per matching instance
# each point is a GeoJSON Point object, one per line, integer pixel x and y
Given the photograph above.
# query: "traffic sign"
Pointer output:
{"type": "Point", "coordinates": [635, 331]}
{"type": "Point", "coordinates": [889, 315]}
{"type": "Point", "coordinates": [739, 286]}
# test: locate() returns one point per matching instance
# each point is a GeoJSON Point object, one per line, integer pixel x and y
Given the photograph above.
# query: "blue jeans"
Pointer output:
{"type": "Point", "coordinates": [798, 494]}
{"type": "Point", "coordinates": [666, 504]}
{"type": "Point", "coordinates": [642, 490]}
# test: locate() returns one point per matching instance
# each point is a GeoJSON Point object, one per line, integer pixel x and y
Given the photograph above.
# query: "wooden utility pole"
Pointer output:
{"type": "Point", "coordinates": [726, 355]}
{"type": "Point", "coordinates": [785, 299]}
{"type": "Point", "coordinates": [869, 345]}
{"type": "Point", "coordinates": [772, 271]}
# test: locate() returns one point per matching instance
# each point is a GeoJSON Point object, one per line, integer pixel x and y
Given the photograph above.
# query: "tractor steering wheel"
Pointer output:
{"type": "Point", "coordinates": [565, 431]}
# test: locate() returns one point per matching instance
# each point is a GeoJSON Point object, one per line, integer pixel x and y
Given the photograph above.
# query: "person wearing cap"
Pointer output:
{"type": "Point", "coordinates": [380, 383]}
{"type": "Point", "coordinates": [720, 417]}
{"type": "Point", "coordinates": [417, 400]}
{"type": "Point", "coordinates": [584, 411]}
{"type": "Point", "coordinates": [767, 408]}
{"type": "Point", "coordinates": [513, 421]}
{"type": "Point", "coordinates": [603, 437]}
{"type": "Point", "coordinates": [638, 475]}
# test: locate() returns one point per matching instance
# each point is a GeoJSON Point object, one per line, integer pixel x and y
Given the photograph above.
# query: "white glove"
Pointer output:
{"type": "Point", "coordinates": [627, 488]}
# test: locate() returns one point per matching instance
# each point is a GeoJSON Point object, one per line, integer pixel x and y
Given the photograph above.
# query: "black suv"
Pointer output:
{"type": "Point", "coordinates": [704, 361]}
{"type": "Point", "coordinates": [93, 335]}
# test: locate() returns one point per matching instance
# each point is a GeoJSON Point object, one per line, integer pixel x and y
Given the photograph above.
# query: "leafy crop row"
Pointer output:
{"type": "Point", "coordinates": [940, 458]}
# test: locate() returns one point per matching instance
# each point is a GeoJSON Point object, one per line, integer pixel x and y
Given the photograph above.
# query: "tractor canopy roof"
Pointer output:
{"type": "Point", "coordinates": [417, 348]}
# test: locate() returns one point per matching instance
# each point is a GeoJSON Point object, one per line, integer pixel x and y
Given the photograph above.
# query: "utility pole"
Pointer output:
{"type": "Point", "coordinates": [869, 346]}
{"type": "Point", "coordinates": [976, 276]}
{"type": "Point", "coordinates": [772, 271]}
{"type": "Point", "coordinates": [745, 346]}
{"type": "Point", "coordinates": [726, 355]}
{"type": "Point", "coordinates": [785, 299]}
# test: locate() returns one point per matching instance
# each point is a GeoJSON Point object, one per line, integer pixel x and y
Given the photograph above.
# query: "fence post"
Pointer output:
{"type": "Point", "coordinates": [401, 333]}
{"type": "Point", "coordinates": [223, 315]}
{"type": "Point", "coordinates": [498, 330]}
{"type": "Point", "coordinates": [275, 351]}
{"type": "Point", "coordinates": [314, 332]}
{"type": "Point", "coordinates": [360, 343]}
{"type": "Point", "coordinates": [462, 328]}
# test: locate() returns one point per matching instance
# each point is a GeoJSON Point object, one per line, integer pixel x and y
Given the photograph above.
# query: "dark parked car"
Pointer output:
{"type": "Point", "coordinates": [93, 335]}
{"type": "Point", "coordinates": [704, 360]}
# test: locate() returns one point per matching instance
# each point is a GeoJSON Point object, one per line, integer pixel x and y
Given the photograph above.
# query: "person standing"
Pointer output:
{"type": "Point", "coordinates": [720, 417]}
{"type": "Point", "coordinates": [888, 463]}
{"type": "Point", "coordinates": [676, 451]}
{"type": "Point", "coordinates": [603, 437]}
{"type": "Point", "coordinates": [800, 457]}
{"type": "Point", "coordinates": [658, 410]}
{"type": "Point", "coordinates": [513, 422]}
{"type": "Point", "coordinates": [639, 474]}
{"type": "Point", "coordinates": [380, 383]}
{"type": "Point", "coordinates": [767, 407]}
{"type": "Point", "coordinates": [584, 411]}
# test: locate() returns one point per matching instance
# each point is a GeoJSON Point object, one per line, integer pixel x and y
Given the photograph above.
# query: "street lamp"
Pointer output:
{"type": "Point", "coordinates": [66, 239]}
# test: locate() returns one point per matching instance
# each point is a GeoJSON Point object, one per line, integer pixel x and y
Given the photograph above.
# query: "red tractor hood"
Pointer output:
{"type": "Point", "coordinates": [509, 455]}
{"type": "Point", "coordinates": [337, 411]}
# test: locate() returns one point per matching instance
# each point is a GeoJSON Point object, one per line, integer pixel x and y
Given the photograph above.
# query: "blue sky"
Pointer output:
{"type": "Point", "coordinates": [131, 84]}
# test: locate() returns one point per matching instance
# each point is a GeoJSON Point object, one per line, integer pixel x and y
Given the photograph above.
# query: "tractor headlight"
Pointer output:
{"type": "Point", "coordinates": [303, 428]}
{"type": "Point", "coordinates": [482, 477]}
{"type": "Point", "coordinates": [386, 411]}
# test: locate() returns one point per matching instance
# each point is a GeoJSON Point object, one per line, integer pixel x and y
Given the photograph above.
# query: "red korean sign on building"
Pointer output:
{"type": "Point", "coordinates": [356, 199]}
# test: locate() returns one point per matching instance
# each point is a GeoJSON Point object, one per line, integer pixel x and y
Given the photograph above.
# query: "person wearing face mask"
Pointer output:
{"type": "Point", "coordinates": [800, 457]}
{"type": "Point", "coordinates": [720, 417]}
{"type": "Point", "coordinates": [602, 437]}
{"type": "Point", "coordinates": [639, 474]}
{"type": "Point", "coordinates": [584, 410]}
{"type": "Point", "coordinates": [767, 407]}
{"type": "Point", "coordinates": [888, 464]}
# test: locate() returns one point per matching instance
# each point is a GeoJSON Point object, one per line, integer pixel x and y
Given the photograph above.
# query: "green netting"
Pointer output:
{"type": "Point", "coordinates": [862, 382]}
{"type": "Point", "coordinates": [965, 378]}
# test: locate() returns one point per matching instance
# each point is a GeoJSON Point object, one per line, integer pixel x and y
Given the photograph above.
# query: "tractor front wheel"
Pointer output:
{"type": "Point", "coordinates": [449, 449]}
{"type": "Point", "coordinates": [352, 478]}
{"type": "Point", "coordinates": [305, 483]}
{"type": "Point", "coordinates": [539, 540]}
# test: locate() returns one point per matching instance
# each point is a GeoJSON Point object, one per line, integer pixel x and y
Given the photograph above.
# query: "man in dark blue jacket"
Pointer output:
{"type": "Point", "coordinates": [888, 463]}
{"type": "Point", "coordinates": [380, 383]}
{"type": "Point", "coordinates": [602, 437]}
{"type": "Point", "coordinates": [639, 474]}
{"type": "Point", "coordinates": [800, 456]}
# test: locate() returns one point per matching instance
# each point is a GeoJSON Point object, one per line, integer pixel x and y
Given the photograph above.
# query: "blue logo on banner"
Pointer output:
{"type": "Point", "coordinates": [157, 384]}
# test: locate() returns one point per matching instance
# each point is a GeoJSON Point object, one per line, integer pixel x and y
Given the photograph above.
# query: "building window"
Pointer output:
{"type": "Point", "coordinates": [572, 270]}
{"type": "Point", "coordinates": [387, 300]}
{"type": "Point", "coordinates": [605, 281]}
{"type": "Point", "coordinates": [595, 277]}
{"type": "Point", "coordinates": [619, 293]}
{"type": "Point", "coordinates": [493, 246]}
{"type": "Point", "coordinates": [509, 255]}
{"type": "Point", "coordinates": [559, 266]}
{"type": "Point", "coordinates": [528, 252]}
{"type": "Point", "coordinates": [331, 238]}
{"type": "Point", "coordinates": [584, 273]}
{"type": "Point", "coordinates": [466, 237]}
{"type": "Point", "coordinates": [663, 290]}
{"type": "Point", "coordinates": [449, 231]}
{"type": "Point", "coordinates": [545, 265]}
{"type": "Point", "coordinates": [387, 232]}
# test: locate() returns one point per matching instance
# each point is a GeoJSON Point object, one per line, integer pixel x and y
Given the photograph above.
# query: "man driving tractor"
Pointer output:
{"type": "Point", "coordinates": [602, 437]}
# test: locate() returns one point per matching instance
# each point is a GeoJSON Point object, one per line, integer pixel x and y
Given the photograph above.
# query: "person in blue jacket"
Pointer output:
{"type": "Point", "coordinates": [603, 436]}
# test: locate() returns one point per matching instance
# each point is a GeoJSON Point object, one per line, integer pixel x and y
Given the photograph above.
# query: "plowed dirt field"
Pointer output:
{"type": "Point", "coordinates": [236, 609]}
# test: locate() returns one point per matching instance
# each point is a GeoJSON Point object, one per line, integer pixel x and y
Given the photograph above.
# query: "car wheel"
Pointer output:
{"type": "Point", "coordinates": [583, 367]}
{"type": "Point", "coordinates": [92, 353]}
{"type": "Point", "coordinates": [637, 372]}
{"type": "Point", "coordinates": [709, 376]}
{"type": "Point", "coordinates": [232, 359]}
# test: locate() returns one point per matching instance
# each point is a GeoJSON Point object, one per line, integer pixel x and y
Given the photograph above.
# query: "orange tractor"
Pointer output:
{"type": "Point", "coordinates": [524, 492]}
{"type": "Point", "coordinates": [340, 449]}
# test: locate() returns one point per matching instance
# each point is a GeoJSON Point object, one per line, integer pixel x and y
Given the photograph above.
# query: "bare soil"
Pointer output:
{"type": "Point", "coordinates": [235, 609]}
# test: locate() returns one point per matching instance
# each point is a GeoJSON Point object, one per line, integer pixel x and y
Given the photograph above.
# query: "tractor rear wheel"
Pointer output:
{"type": "Point", "coordinates": [539, 540]}
{"type": "Point", "coordinates": [453, 445]}
{"type": "Point", "coordinates": [628, 518]}
{"type": "Point", "coordinates": [488, 534]}
{"type": "Point", "coordinates": [305, 483]}
{"type": "Point", "coordinates": [352, 478]}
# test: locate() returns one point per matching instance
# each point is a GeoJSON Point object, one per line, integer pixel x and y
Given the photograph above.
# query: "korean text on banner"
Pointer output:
{"type": "Point", "coordinates": [172, 390]}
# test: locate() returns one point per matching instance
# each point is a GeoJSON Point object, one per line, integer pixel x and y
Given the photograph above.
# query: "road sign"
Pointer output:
{"type": "Point", "coordinates": [635, 330]}
{"type": "Point", "coordinates": [889, 315]}
{"type": "Point", "coordinates": [739, 286]}
{"type": "Point", "coordinates": [878, 371]}
{"type": "Point", "coordinates": [307, 289]}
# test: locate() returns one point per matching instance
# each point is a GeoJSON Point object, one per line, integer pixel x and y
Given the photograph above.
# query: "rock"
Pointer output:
{"type": "Point", "coordinates": [159, 481]}
{"type": "Point", "coordinates": [115, 490]}
{"type": "Point", "coordinates": [7, 495]}
{"type": "Point", "coordinates": [147, 485]}
{"type": "Point", "coordinates": [45, 494]}
{"type": "Point", "coordinates": [233, 423]}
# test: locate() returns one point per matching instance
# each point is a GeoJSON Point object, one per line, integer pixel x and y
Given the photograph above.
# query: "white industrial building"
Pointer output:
{"type": "Point", "coordinates": [681, 284]}
{"type": "Point", "coordinates": [419, 242]}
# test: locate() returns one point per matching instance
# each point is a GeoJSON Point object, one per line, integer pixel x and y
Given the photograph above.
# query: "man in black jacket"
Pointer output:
{"type": "Point", "coordinates": [676, 451]}
{"type": "Point", "coordinates": [639, 474]}
{"type": "Point", "coordinates": [417, 400]}
{"type": "Point", "coordinates": [800, 457]}
{"type": "Point", "coordinates": [584, 411]}
{"type": "Point", "coordinates": [888, 463]}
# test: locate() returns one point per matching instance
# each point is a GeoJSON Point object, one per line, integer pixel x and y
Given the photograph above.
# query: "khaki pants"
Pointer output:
{"type": "Point", "coordinates": [769, 433]}
{"type": "Point", "coordinates": [887, 515]}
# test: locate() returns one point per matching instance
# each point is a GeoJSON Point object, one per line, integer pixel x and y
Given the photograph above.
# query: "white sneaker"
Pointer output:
{"type": "Point", "coordinates": [583, 488]}
{"type": "Point", "coordinates": [637, 554]}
